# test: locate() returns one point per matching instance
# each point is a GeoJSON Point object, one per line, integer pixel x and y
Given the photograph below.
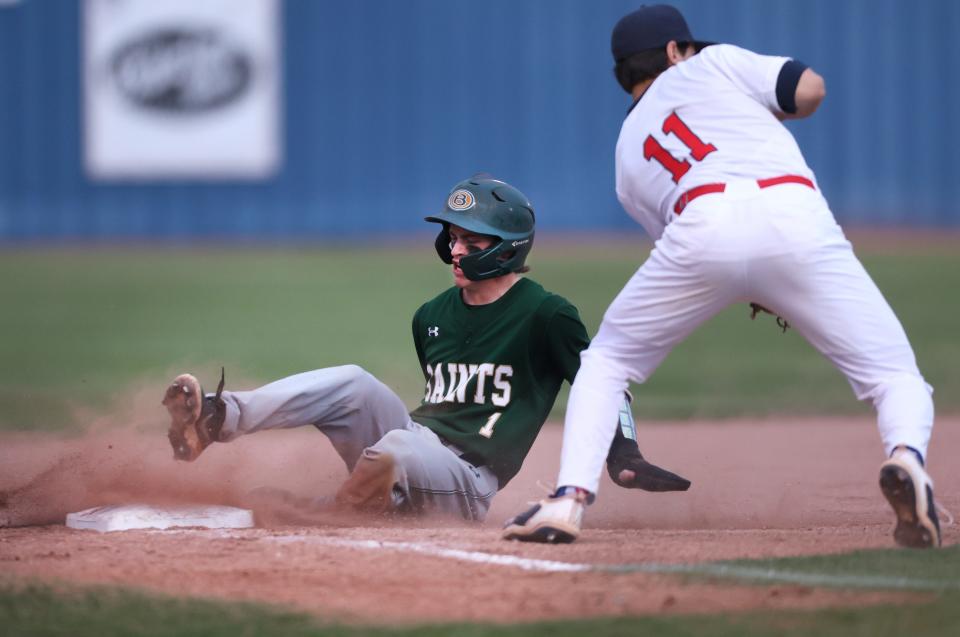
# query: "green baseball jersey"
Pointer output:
{"type": "Point", "coordinates": [493, 371]}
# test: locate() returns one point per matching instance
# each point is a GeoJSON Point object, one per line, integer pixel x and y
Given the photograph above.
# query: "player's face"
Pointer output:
{"type": "Point", "coordinates": [464, 242]}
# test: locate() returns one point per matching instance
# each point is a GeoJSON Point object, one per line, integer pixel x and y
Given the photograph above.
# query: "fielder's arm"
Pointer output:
{"type": "Point", "coordinates": [800, 90]}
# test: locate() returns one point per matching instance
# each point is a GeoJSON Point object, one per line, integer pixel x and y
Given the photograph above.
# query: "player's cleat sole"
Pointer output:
{"type": "Point", "coordinates": [195, 418]}
{"type": "Point", "coordinates": [909, 491]}
{"type": "Point", "coordinates": [184, 402]}
{"type": "Point", "coordinates": [551, 521]}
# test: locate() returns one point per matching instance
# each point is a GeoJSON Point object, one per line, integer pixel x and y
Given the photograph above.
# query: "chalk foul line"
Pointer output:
{"type": "Point", "coordinates": [527, 564]}
{"type": "Point", "coordinates": [711, 569]}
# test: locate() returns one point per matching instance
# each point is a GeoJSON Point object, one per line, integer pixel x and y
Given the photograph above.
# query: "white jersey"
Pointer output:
{"type": "Point", "coordinates": [709, 119]}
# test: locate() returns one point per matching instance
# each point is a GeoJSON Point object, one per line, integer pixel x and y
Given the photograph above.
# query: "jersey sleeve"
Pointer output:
{"type": "Point", "coordinates": [565, 337]}
{"type": "Point", "coordinates": [417, 343]}
{"type": "Point", "coordinates": [787, 82]}
{"type": "Point", "coordinates": [753, 74]}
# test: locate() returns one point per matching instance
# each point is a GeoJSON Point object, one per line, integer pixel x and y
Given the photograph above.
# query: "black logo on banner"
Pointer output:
{"type": "Point", "coordinates": [181, 70]}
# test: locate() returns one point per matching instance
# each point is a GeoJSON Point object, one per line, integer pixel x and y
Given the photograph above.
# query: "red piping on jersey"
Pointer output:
{"type": "Point", "coordinates": [707, 189]}
{"type": "Point", "coordinates": [785, 179]}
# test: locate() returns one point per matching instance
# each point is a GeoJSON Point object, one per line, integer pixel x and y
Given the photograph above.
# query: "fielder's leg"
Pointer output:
{"type": "Point", "coordinates": [659, 307]}
{"type": "Point", "coordinates": [825, 293]}
{"type": "Point", "coordinates": [673, 293]}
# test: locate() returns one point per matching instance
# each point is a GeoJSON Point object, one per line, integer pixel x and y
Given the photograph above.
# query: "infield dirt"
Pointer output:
{"type": "Point", "coordinates": [760, 489]}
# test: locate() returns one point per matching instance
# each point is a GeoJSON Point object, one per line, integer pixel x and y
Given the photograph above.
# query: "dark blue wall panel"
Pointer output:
{"type": "Point", "coordinates": [387, 103]}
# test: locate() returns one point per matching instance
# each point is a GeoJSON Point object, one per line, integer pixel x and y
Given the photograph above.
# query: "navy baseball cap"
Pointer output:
{"type": "Point", "coordinates": [650, 27]}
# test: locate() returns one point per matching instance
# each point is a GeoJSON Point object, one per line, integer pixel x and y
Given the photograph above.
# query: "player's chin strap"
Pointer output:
{"type": "Point", "coordinates": [756, 308]}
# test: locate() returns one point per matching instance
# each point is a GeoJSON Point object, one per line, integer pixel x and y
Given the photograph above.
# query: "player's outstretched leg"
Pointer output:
{"type": "Point", "coordinates": [554, 520]}
{"type": "Point", "coordinates": [195, 418]}
{"type": "Point", "coordinates": [909, 490]}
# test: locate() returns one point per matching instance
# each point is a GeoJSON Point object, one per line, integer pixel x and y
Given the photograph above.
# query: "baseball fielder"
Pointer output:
{"type": "Point", "coordinates": [704, 164]}
{"type": "Point", "coordinates": [494, 350]}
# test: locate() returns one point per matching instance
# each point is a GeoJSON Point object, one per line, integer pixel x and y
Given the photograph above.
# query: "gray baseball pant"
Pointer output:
{"type": "Point", "coordinates": [361, 415]}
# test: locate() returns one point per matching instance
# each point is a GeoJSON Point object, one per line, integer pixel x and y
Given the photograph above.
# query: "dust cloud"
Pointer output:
{"type": "Point", "coordinates": [124, 457]}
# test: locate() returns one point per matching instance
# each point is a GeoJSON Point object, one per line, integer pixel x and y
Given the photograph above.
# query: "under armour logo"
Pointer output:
{"type": "Point", "coordinates": [433, 331]}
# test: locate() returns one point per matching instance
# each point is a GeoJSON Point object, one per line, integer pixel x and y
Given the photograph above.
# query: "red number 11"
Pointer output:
{"type": "Point", "coordinates": [676, 167]}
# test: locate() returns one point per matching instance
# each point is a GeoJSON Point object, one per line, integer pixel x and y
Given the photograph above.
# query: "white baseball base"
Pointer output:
{"type": "Point", "coordinates": [124, 517]}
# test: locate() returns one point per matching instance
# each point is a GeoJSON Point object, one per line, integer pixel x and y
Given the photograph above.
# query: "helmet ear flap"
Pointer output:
{"type": "Point", "coordinates": [442, 244]}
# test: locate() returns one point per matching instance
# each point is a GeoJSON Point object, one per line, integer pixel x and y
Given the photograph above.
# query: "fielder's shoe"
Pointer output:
{"type": "Point", "coordinates": [909, 490]}
{"type": "Point", "coordinates": [556, 519]}
{"type": "Point", "coordinates": [195, 418]}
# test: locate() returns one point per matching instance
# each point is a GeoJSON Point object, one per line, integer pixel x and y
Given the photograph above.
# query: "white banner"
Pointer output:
{"type": "Point", "coordinates": [182, 89]}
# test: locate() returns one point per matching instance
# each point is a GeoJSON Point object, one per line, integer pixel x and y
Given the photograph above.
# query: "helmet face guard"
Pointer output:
{"type": "Point", "coordinates": [491, 207]}
{"type": "Point", "coordinates": [503, 257]}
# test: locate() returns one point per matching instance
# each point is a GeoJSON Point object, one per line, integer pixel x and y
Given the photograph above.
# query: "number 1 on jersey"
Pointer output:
{"type": "Point", "coordinates": [676, 167]}
{"type": "Point", "coordinates": [487, 430]}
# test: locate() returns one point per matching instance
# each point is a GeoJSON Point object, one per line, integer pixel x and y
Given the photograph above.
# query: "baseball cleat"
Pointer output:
{"type": "Point", "coordinates": [195, 418]}
{"type": "Point", "coordinates": [371, 486]}
{"type": "Point", "coordinates": [909, 490]}
{"type": "Point", "coordinates": [554, 520]}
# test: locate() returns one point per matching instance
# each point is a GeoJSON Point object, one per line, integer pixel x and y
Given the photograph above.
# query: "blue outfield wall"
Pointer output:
{"type": "Point", "coordinates": [387, 103]}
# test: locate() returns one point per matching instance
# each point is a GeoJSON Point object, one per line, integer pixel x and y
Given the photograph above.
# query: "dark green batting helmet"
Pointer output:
{"type": "Point", "coordinates": [485, 205]}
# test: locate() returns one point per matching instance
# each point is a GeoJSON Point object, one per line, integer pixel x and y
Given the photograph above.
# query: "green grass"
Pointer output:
{"type": "Point", "coordinates": [81, 329]}
{"type": "Point", "coordinates": [101, 612]}
{"type": "Point", "coordinates": [38, 609]}
{"type": "Point", "coordinates": [41, 610]}
{"type": "Point", "coordinates": [880, 569]}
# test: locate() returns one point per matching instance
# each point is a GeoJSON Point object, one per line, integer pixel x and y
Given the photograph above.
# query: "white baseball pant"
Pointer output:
{"type": "Point", "coordinates": [779, 247]}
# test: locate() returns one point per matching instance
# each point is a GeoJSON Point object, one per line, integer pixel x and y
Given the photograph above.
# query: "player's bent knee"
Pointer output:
{"type": "Point", "coordinates": [358, 382]}
{"type": "Point", "coordinates": [406, 449]}
{"type": "Point", "coordinates": [354, 374]}
{"type": "Point", "coordinates": [399, 443]}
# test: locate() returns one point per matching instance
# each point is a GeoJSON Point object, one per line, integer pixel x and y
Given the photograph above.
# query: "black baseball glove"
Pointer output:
{"type": "Point", "coordinates": [628, 469]}
{"type": "Point", "coordinates": [756, 308]}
